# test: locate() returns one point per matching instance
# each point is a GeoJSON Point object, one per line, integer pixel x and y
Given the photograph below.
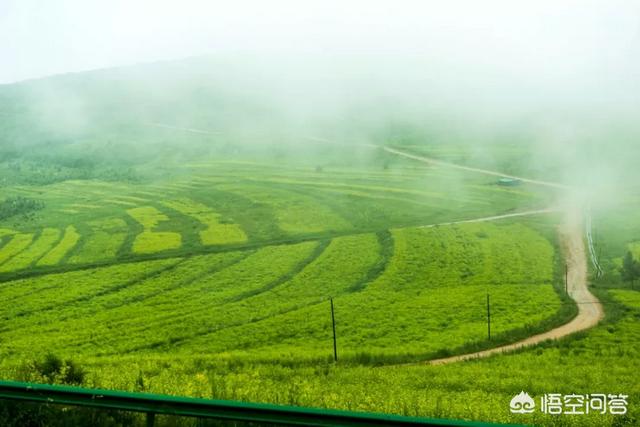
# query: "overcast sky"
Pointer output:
{"type": "Point", "coordinates": [557, 39]}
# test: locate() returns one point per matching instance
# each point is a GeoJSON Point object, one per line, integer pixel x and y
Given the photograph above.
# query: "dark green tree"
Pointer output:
{"type": "Point", "coordinates": [630, 269]}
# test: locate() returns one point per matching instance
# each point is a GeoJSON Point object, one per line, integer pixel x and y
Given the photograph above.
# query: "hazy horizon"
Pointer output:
{"type": "Point", "coordinates": [187, 188]}
{"type": "Point", "coordinates": [592, 42]}
{"type": "Point", "coordinates": [563, 78]}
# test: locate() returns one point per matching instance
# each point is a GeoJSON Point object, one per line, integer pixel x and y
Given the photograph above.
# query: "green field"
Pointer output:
{"type": "Point", "coordinates": [602, 359]}
{"type": "Point", "coordinates": [262, 205]}
{"type": "Point", "coordinates": [203, 265]}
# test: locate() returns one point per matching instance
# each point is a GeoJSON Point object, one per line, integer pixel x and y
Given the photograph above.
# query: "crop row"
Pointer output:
{"type": "Point", "coordinates": [235, 202]}
{"type": "Point", "coordinates": [16, 244]}
{"type": "Point", "coordinates": [215, 233]}
{"type": "Point", "coordinates": [295, 213]}
{"type": "Point", "coordinates": [429, 297]}
{"type": "Point", "coordinates": [150, 241]}
{"type": "Point", "coordinates": [34, 251]}
{"type": "Point", "coordinates": [64, 246]}
{"type": "Point", "coordinates": [135, 307]}
{"type": "Point", "coordinates": [102, 241]}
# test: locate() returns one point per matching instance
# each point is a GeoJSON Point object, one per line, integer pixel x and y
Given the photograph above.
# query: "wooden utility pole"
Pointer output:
{"type": "Point", "coordinates": [488, 318]}
{"type": "Point", "coordinates": [333, 323]}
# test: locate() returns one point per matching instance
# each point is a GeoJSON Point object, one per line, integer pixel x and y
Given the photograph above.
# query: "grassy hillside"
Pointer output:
{"type": "Point", "coordinates": [188, 240]}
{"type": "Point", "coordinates": [215, 205]}
{"type": "Point", "coordinates": [601, 360]}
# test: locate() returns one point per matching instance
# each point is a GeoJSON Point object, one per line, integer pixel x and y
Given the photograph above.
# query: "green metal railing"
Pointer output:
{"type": "Point", "coordinates": [152, 404]}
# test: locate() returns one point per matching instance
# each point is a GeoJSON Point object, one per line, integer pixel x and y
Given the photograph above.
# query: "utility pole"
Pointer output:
{"type": "Point", "coordinates": [333, 322]}
{"type": "Point", "coordinates": [488, 318]}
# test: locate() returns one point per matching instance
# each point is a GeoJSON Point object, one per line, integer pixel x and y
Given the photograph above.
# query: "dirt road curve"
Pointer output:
{"type": "Point", "coordinates": [590, 310]}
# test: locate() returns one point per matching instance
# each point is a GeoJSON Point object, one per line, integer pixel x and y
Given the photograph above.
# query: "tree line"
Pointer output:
{"type": "Point", "coordinates": [630, 271]}
{"type": "Point", "coordinates": [19, 205]}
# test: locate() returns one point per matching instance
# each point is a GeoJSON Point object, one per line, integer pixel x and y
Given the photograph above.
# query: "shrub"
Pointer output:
{"type": "Point", "coordinates": [54, 370]}
{"type": "Point", "coordinates": [13, 206]}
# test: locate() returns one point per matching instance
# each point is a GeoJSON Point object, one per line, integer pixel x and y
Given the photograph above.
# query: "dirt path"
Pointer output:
{"type": "Point", "coordinates": [494, 218]}
{"type": "Point", "coordinates": [192, 130]}
{"type": "Point", "coordinates": [471, 169]}
{"type": "Point", "coordinates": [590, 311]}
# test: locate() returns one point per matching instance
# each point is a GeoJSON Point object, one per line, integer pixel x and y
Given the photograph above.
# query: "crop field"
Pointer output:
{"type": "Point", "coordinates": [217, 281]}
{"type": "Point", "coordinates": [65, 245]}
{"type": "Point", "coordinates": [150, 241]}
{"type": "Point", "coordinates": [234, 300]}
{"type": "Point", "coordinates": [214, 232]}
{"type": "Point", "coordinates": [591, 361]}
{"type": "Point", "coordinates": [226, 199]}
{"type": "Point", "coordinates": [427, 209]}
{"type": "Point", "coordinates": [14, 246]}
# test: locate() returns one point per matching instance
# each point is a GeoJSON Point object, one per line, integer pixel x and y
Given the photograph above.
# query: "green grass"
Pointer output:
{"type": "Point", "coordinates": [14, 246]}
{"type": "Point", "coordinates": [223, 270]}
{"type": "Point", "coordinates": [101, 240]}
{"type": "Point", "coordinates": [47, 239]}
{"type": "Point", "coordinates": [6, 232]}
{"type": "Point", "coordinates": [60, 294]}
{"type": "Point", "coordinates": [215, 232]}
{"type": "Point", "coordinates": [294, 213]}
{"type": "Point", "coordinates": [150, 241]}
{"type": "Point", "coordinates": [240, 204]}
{"type": "Point", "coordinates": [598, 361]}
{"type": "Point", "coordinates": [425, 297]}
{"type": "Point", "coordinates": [64, 246]}
{"type": "Point", "coordinates": [201, 265]}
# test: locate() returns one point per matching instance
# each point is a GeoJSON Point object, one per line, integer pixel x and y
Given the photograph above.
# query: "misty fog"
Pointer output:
{"type": "Point", "coordinates": [561, 79]}
{"type": "Point", "coordinates": [187, 186]}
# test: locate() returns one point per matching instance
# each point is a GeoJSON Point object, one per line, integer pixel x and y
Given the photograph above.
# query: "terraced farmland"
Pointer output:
{"type": "Point", "coordinates": [235, 204]}
{"type": "Point", "coordinates": [215, 232]}
{"type": "Point", "coordinates": [234, 263]}
{"type": "Point", "coordinates": [246, 263]}
{"type": "Point", "coordinates": [150, 241]}
{"type": "Point", "coordinates": [420, 208]}
{"type": "Point", "coordinates": [405, 289]}
{"type": "Point", "coordinates": [64, 246]}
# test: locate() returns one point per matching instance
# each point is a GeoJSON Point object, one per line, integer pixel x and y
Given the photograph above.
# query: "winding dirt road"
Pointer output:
{"type": "Point", "coordinates": [590, 311]}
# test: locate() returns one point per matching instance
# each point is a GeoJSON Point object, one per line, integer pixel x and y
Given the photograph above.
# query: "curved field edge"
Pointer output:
{"type": "Point", "coordinates": [417, 390]}
{"type": "Point", "coordinates": [353, 211]}
{"type": "Point", "coordinates": [363, 295]}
